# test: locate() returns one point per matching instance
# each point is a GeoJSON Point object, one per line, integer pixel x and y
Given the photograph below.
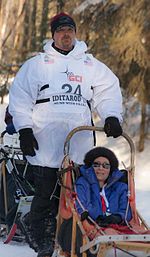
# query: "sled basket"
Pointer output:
{"type": "Point", "coordinates": [133, 237]}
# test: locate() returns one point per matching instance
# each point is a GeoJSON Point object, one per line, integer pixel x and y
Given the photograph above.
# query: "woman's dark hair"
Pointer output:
{"type": "Point", "coordinates": [101, 152]}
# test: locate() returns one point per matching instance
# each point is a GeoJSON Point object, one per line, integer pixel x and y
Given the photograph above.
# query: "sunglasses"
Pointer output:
{"type": "Point", "coordinates": [105, 165]}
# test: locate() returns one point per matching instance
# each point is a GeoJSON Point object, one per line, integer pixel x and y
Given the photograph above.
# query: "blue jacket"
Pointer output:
{"type": "Point", "coordinates": [88, 191]}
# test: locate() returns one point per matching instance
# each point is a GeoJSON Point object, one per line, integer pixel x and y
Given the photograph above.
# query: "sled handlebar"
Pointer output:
{"type": "Point", "coordinates": [100, 129]}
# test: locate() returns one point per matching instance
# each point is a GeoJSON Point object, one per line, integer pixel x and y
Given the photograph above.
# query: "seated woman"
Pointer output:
{"type": "Point", "coordinates": [101, 195]}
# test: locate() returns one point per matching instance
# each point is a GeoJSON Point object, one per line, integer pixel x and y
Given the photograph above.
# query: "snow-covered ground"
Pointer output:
{"type": "Point", "coordinates": [142, 182]}
{"type": "Point", "coordinates": [15, 249]}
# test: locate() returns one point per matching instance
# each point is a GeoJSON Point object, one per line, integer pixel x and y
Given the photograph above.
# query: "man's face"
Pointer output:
{"type": "Point", "coordinates": [64, 37]}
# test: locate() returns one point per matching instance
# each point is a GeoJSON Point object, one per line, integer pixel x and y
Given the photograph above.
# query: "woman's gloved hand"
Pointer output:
{"type": "Point", "coordinates": [104, 221]}
{"type": "Point", "coordinates": [84, 215]}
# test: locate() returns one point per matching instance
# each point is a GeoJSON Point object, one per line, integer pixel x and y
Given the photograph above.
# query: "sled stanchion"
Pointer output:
{"type": "Point", "coordinates": [3, 171]}
{"type": "Point", "coordinates": [4, 187]}
{"type": "Point", "coordinates": [73, 243]}
{"type": "Point", "coordinates": [132, 150]}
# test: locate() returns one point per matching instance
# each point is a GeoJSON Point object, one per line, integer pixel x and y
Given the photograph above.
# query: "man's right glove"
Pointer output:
{"type": "Point", "coordinates": [112, 127]}
{"type": "Point", "coordinates": [28, 142]}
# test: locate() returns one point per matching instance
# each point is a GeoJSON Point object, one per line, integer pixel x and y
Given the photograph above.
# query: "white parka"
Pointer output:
{"type": "Point", "coordinates": [50, 93]}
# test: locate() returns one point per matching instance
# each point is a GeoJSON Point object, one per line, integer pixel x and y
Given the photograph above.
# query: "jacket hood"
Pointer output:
{"type": "Point", "coordinates": [115, 176]}
{"type": "Point", "coordinates": [79, 49]}
{"type": "Point", "coordinates": [90, 176]}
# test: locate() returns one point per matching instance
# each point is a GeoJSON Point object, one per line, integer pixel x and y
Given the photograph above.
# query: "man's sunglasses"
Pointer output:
{"type": "Point", "coordinates": [105, 165]}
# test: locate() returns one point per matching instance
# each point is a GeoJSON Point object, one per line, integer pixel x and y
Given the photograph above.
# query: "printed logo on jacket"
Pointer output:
{"type": "Point", "coordinates": [68, 99]}
{"type": "Point", "coordinates": [72, 77]}
{"type": "Point", "coordinates": [66, 103]}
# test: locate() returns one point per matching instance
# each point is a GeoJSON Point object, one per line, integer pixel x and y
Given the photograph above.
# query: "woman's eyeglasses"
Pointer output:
{"type": "Point", "coordinates": [105, 165]}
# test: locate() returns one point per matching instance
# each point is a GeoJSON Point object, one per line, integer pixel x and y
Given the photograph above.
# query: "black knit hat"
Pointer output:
{"type": "Point", "coordinates": [61, 19]}
{"type": "Point", "coordinates": [101, 152]}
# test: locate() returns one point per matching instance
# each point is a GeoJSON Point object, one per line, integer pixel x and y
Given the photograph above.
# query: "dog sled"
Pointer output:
{"type": "Point", "coordinates": [135, 236]}
{"type": "Point", "coordinates": [16, 192]}
{"type": "Point", "coordinates": [95, 239]}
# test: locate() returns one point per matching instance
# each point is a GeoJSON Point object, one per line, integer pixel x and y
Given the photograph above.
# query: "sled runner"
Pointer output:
{"type": "Point", "coordinates": [135, 235]}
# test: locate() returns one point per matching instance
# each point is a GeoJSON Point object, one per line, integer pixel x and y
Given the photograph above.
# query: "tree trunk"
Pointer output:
{"type": "Point", "coordinates": [142, 127]}
{"type": "Point", "coordinates": [19, 23]}
{"type": "Point", "coordinates": [60, 5]}
{"type": "Point", "coordinates": [33, 26]}
{"type": "Point", "coordinates": [26, 28]}
{"type": "Point", "coordinates": [4, 13]}
{"type": "Point", "coordinates": [44, 22]}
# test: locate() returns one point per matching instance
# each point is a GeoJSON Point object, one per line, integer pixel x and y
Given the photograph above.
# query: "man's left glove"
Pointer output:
{"type": "Point", "coordinates": [112, 127]}
{"type": "Point", "coordinates": [28, 142]}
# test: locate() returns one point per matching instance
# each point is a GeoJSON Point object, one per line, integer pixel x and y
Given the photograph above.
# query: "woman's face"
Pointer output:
{"type": "Point", "coordinates": [101, 167]}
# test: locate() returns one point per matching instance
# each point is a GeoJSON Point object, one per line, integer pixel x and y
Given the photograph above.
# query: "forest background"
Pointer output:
{"type": "Point", "coordinates": [117, 32]}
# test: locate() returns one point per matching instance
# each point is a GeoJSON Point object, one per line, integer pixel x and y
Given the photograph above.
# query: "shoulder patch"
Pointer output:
{"type": "Point", "coordinates": [88, 60]}
{"type": "Point", "coordinates": [48, 59]}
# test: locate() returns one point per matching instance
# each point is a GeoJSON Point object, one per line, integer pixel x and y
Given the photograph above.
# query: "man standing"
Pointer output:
{"type": "Point", "coordinates": [49, 97]}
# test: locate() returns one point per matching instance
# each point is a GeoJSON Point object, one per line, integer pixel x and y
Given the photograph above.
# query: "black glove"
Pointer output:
{"type": "Point", "coordinates": [107, 220]}
{"type": "Point", "coordinates": [100, 220]}
{"type": "Point", "coordinates": [113, 219]}
{"type": "Point", "coordinates": [84, 215]}
{"type": "Point", "coordinates": [112, 127]}
{"type": "Point", "coordinates": [28, 142]}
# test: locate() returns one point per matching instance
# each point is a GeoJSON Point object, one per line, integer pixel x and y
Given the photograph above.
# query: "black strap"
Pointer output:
{"type": "Point", "coordinates": [92, 123]}
{"type": "Point", "coordinates": [40, 101]}
{"type": "Point", "coordinates": [44, 87]}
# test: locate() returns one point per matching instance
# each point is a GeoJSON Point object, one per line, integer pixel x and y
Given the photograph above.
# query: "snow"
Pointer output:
{"type": "Point", "coordinates": [122, 150]}
{"type": "Point", "coordinates": [85, 4]}
{"type": "Point", "coordinates": [15, 249]}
